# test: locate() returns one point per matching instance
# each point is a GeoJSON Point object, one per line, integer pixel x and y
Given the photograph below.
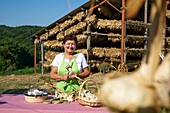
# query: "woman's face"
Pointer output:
{"type": "Point", "coordinates": [70, 46]}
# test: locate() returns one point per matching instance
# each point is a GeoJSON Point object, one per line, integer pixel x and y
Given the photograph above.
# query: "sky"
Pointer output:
{"type": "Point", "coordinates": [15, 13]}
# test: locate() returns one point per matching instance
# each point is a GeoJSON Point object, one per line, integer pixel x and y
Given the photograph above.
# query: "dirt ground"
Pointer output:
{"type": "Point", "coordinates": [19, 83]}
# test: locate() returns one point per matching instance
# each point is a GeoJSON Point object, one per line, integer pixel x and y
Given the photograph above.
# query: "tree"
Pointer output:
{"type": "Point", "coordinates": [16, 48]}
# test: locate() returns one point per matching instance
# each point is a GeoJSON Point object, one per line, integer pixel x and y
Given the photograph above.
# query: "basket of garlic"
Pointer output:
{"type": "Point", "coordinates": [86, 97]}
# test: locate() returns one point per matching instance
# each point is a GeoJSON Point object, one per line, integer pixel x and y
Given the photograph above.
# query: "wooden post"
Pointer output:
{"type": "Point", "coordinates": [35, 58]}
{"type": "Point", "coordinates": [146, 21]}
{"type": "Point", "coordinates": [123, 34]}
{"type": "Point", "coordinates": [164, 33]}
{"type": "Point", "coordinates": [88, 43]}
{"type": "Point", "coordinates": [42, 58]}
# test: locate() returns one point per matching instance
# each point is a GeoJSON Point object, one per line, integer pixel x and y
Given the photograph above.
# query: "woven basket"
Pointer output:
{"type": "Point", "coordinates": [36, 99]}
{"type": "Point", "coordinates": [86, 102]}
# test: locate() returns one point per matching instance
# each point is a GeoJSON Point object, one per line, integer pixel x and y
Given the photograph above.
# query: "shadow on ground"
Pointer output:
{"type": "Point", "coordinates": [14, 91]}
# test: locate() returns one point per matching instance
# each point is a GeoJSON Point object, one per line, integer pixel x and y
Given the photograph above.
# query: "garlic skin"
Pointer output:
{"type": "Point", "coordinates": [86, 94]}
{"type": "Point", "coordinates": [129, 93]}
{"type": "Point", "coordinates": [36, 92]}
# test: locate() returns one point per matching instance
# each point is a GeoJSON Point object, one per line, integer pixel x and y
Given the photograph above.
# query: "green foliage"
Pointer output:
{"type": "Point", "coordinates": [25, 71]}
{"type": "Point", "coordinates": [18, 72]}
{"type": "Point", "coordinates": [16, 47]}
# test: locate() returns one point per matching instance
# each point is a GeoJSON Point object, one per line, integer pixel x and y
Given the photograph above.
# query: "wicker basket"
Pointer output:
{"type": "Point", "coordinates": [86, 102]}
{"type": "Point", "coordinates": [36, 99]}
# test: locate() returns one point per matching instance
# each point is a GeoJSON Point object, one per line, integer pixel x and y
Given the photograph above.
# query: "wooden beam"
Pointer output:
{"type": "Point", "coordinates": [42, 58]}
{"type": "Point", "coordinates": [123, 32]}
{"type": "Point", "coordinates": [35, 58]}
{"type": "Point", "coordinates": [88, 42]}
{"type": "Point", "coordinates": [146, 21]}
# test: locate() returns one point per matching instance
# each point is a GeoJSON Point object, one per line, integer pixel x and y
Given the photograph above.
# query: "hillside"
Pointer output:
{"type": "Point", "coordinates": [16, 47]}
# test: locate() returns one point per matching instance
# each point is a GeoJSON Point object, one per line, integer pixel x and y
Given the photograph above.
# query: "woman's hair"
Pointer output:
{"type": "Point", "coordinates": [73, 37]}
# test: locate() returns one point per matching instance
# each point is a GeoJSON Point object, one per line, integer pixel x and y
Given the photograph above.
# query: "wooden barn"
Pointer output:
{"type": "Point", "coordinates": [105, 37]}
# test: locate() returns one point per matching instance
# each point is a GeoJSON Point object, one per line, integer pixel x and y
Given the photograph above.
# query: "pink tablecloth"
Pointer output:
{"type": "Point", "coordinates": [14, 103]}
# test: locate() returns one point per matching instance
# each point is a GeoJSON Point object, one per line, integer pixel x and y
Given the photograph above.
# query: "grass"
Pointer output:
{"type": "Point", "coordinates": [17, 84]}
{"type": "Point", "coordinates": [23, 71]}
{"type": "Point", "coordinates": [18, 81]}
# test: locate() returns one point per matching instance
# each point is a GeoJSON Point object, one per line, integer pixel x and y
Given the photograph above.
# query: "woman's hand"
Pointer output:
{"type": "Point", "coordinates": [72, 75]}
{"type": "Point", "coordinates": [65, 77]}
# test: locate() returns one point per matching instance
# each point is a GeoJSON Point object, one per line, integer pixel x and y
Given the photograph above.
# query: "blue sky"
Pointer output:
{"type": "Point", "coordinates": [35, 12]}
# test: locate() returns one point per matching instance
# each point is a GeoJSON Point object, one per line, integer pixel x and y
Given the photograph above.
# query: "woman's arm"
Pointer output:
{"type": "Point", "coordinates": [54, 74]}
{"type": "Point", "coordinates": [81, 75]}
{"type": "Point", "coordinates": [85, 73]}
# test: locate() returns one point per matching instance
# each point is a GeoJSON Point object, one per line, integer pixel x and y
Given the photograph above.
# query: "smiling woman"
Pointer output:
{"type": "Point", "coordinates": [68, 66]}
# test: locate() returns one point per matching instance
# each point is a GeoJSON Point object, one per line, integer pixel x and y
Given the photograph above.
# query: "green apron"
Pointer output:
{"type": "Point", "coordinates": [71, 84]}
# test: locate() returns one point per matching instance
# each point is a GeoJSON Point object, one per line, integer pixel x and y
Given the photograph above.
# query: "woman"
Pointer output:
{"type": "Point", "coordinates": [69, 65]}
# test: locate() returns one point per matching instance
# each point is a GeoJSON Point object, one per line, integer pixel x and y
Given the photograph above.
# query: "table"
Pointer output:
{"type": "Point", "coordinates": [15, 103]}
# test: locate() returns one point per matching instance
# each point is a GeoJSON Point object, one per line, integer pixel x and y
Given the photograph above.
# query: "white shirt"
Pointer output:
{"type": "Point", "coordinates": [80, 59]}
